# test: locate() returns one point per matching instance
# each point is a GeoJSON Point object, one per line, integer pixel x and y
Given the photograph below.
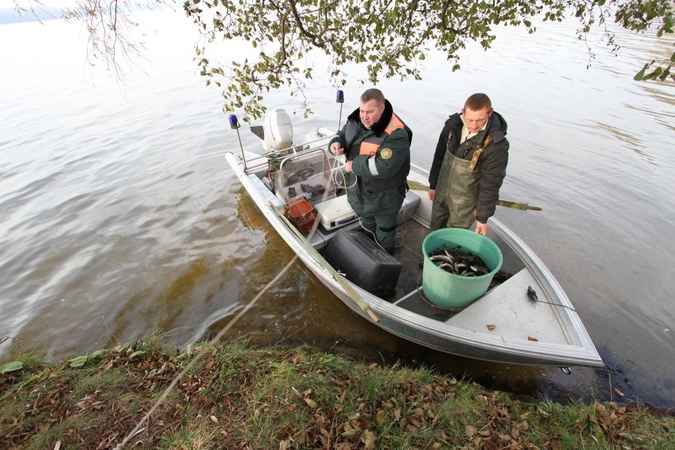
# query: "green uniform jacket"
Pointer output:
{"type": "Point", "coordinates": [388, 168]}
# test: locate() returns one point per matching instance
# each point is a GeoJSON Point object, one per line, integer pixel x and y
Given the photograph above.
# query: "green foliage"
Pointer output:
{"type": "Point", "coordinates": [640, 16]}
{"type": "Point", "coordinates": [11, 366]}
{"type": "Point", "coordinates": [80, 361]}
{"type": "Point", "coordinates": [389, 37]}
{"type": "Point", "coordinates": [293, 398]}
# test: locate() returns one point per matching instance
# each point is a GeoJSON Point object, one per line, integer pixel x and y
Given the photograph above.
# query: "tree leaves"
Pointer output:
{"type": "Point", "coordinates": [389, 37]}
{"type": "Point", "coordinates": [659, 72]}
{"type": "Point", "coordinates": [639, 17]}
{"type": "Point", "coordinates": [11, 367]}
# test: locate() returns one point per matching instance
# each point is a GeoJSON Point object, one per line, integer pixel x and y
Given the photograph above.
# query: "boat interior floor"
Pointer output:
{"type": "Point", "coordinates": [410, 235]}
{"type": "Point", "coordinates": [409, 294]}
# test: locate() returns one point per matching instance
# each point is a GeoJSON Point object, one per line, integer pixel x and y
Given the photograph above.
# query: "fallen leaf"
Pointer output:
{"type": "Point", "coordinates": [491, 326]}
{"type": "Point", "coordinates": [11, 367]}
{"type": "Point", "coordinates": [621, 394]}
{"type": "Point", "coordinates": [300, 437]}
{"type": "Point", "coordinates": [311, 403]}
{"type": "Point", "coordinates": [214, 419]}
{"type": "Point", "coordinates": [381, 417]}
{"type": "Point", "coordinates": [530, 338]}
{"type": "Point", "coordinates": [506, 438]}
{"type": "Point", "coordinates": [78, 361]}
{"type": "Point", "coordinates": [348, 434]}
{"type": "Point", "coordinates": [369, 439]}
{"type": "Point", "coordinates": [321, 420]}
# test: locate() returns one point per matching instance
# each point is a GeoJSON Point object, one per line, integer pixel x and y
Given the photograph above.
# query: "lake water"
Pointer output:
{"type": "Point", "coordinates": [119, 214]}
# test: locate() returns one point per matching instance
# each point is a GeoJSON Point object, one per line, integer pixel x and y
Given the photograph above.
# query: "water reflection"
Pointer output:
{"type": "Point", "coordinates": [119, 213]}
{"type": "Point", "coordinates": [632, 142]}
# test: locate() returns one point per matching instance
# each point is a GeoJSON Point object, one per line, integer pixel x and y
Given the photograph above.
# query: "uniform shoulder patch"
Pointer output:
{"type": "Point", "coordinates": [386, 153]}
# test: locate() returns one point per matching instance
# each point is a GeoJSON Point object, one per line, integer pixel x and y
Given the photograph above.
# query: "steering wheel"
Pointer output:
{"type": "Point", "coordinates": [300, 175]}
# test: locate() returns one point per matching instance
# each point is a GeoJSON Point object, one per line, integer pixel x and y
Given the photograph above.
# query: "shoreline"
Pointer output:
{"type": "Point", "coordinates": [229, 396]}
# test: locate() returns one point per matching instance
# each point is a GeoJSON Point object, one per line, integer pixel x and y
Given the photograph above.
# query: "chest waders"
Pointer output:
{"type": "Point", "coordinates": [457, 190]}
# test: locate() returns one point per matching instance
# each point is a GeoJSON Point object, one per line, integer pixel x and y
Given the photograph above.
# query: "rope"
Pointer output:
{"type": "Point", "coordinates": [225, 329]}
{"type": "Point", "coordinates": [197, 357]}
{"type": "Point", "coordinates": [399, 233]}
{"type": "Point", "coordinates": [137, 429]}
{"type": "Point", "coordinates": [340, 171]}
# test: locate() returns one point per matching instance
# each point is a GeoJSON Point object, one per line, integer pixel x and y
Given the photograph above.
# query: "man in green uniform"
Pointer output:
{"type": "Point", "coordinates": [377, 146]}
{"type": "Point", "coordinates": [469, 166]}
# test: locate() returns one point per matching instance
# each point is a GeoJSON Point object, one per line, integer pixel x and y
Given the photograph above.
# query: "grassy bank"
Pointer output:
{"type": "Point", "coordinates": [232, 397]}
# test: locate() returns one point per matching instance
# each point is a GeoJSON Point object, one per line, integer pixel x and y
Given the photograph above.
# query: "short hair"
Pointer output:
{"type": "Point", "coordinates": [479, 101]}
{"type": "Point", "coordinates": [372, 94]}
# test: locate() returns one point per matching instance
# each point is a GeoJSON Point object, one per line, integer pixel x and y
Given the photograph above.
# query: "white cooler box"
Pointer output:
{"type": "Point", "coordinates": [408, 207]}
{"type": "Point", "coordinates": [335, 213]}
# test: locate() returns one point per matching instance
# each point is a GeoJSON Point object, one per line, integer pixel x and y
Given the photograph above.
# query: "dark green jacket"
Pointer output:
{"type": "Point", "coordinates": [389, 167]}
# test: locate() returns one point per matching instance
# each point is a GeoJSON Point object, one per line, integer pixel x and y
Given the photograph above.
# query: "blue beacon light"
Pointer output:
{"type": "Point", "coordinates": [234, 122]}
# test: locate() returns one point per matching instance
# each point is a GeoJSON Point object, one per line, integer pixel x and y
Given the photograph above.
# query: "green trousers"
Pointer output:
{"type": "Point", "coordinates": [379, 214]}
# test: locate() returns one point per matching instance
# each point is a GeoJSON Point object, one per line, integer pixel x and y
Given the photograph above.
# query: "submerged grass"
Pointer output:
{"type": "Point", "coordinates": [236, 397]}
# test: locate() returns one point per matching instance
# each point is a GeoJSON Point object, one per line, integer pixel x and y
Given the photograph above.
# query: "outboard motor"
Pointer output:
{"type": "Point", "coordinates": [277, 130]}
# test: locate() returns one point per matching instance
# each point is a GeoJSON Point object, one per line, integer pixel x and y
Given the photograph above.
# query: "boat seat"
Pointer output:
{"type": "Point", "coordinates": [514, 315]}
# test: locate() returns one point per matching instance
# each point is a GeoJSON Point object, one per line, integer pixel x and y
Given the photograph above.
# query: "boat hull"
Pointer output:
{"type": "Point", "coordinates": [499, 327]}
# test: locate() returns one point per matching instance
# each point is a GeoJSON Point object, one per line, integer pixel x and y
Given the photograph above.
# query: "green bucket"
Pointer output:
{"type": "Point", "coordinates": [455, 291]}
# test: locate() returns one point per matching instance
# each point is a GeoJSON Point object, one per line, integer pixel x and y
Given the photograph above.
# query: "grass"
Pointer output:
{"type": "Point", "coordinates": [236, 397]}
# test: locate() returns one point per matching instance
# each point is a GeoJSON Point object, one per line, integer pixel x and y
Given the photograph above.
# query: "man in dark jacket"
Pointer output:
{"type": "Point", "coordinates": [377, 146]}
{"type": "Point", "coordinates": [469, 166]}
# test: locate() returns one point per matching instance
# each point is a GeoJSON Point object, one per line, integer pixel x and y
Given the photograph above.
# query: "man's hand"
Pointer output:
{"type": "Point", "coordinates": [481, 228]}
{"type": "Point", "coordinates": [348, 166]}
{"type": "Point", "coordinates": [336, 149]}
{"type": "Point", "coordinates": [432, 194]}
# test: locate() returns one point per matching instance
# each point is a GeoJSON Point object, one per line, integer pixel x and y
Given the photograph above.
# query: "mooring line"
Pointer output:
{"type": "Point", "coordinates": [175, 381]}
{"type": "Point", "coordinates": [197, 357]}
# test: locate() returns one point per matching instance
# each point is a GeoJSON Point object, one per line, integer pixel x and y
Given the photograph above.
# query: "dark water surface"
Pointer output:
{"type": "Point", "coordinates": [118, 213]}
